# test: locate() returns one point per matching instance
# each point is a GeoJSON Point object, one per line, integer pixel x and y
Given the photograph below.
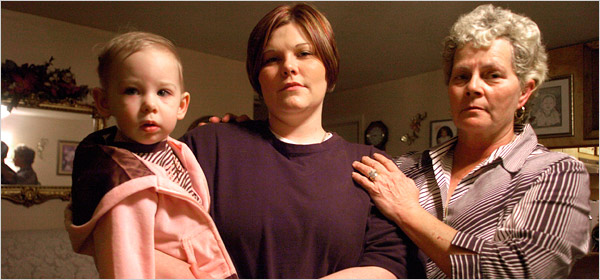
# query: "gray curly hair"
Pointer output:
{"type": "Point", "coordinates": [487, 23]}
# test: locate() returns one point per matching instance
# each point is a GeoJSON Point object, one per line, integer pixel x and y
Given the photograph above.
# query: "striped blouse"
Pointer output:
{"type": "Point", "coordinates": [165, 157]}
{"type": "Point", "coordinates": [523, 211]}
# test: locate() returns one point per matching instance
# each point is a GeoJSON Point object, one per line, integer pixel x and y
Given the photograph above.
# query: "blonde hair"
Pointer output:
{"type": "Point", "coordinates": [124, 45]}
{"type": "Point", "coordinates": [315, 26]}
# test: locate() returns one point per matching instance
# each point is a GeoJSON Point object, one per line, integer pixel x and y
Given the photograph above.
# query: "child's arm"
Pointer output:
{"type": "Point", "coordinates": [124, 238]}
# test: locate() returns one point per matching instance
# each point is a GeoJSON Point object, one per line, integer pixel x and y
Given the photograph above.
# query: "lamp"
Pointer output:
{"type": "Point", "coordinates": [5, 112]}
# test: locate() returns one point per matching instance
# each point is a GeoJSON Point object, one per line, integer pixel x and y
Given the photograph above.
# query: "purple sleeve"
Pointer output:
{"type": "Point", "coordinates": [384, 246]}
{"type": "Point", "coordinates": [201, 141]}
{"type": "Point", "coordinates": [388, 247]}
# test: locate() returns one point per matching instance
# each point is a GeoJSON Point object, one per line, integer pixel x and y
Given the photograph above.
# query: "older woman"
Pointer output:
{"type": "Point", "coordinates": [282, 195]}
{"type": "Point", "coordinates": [24, 157]}
{"type": "Point", "coordinates": [492, 202]}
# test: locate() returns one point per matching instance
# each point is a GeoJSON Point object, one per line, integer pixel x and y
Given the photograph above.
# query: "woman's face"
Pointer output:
{"type": "Point", "coordinates": [292, 78]}
{"type": "Point", "coordinates": [484, 90]}
{"type": "Point", "coordinates": [18, 162]}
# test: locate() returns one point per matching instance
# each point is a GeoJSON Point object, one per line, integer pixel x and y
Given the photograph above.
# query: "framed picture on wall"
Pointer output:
{"type": "Point", "coordinates": [66, 154]}
{"type": "Point", "coordinates": [551, 111]}
{"type": "Point", "coordinates": [441, 131]}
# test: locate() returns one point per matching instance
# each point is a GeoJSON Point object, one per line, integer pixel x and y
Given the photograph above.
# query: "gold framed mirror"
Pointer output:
{"type": "Point", "coordinates": [45, 127]}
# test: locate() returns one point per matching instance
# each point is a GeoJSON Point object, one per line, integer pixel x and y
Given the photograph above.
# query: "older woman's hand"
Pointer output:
{"type": "Point", "coordinates": [390, 189]}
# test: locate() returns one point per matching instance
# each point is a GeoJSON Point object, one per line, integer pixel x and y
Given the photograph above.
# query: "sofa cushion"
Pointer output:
{"type": "Point", "coordinates": [43, 254]}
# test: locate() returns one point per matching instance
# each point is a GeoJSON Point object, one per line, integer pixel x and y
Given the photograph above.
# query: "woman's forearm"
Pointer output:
{"type": "Point", "coordinates": [362, 272]}
{"type": "Point", "coordinates": [430, 235]}
{"type": "Point", "coordinates": [397, 197]}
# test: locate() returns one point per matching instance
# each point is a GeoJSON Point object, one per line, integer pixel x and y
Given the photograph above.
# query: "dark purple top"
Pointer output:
{"type": "Point", "coordinates": [293, 211]}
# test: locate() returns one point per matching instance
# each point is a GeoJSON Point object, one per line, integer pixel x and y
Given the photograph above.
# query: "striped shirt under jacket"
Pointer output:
{"type": "Point", "coordinates": [524, 210]}
{"type": "Point", "coordinates": [165, 157]}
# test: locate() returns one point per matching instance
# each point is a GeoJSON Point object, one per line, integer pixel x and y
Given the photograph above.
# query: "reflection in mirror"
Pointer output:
{"type": "Point", "coordinates": [52, 134]}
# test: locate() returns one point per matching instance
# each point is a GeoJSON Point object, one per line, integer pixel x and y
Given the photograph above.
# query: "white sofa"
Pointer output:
{"type": "Point", "coordinates": [29, 254]}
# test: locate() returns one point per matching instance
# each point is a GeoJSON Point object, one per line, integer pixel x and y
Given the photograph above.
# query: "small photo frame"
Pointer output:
{"type": "Point", "coordinates": [587, 150]}
{"type": "Point", "coordinates": [551, 110]}
{"type": "Point", "coordinates": [66, 154]}
{"type": "Point", "coordinates": [441, 131]}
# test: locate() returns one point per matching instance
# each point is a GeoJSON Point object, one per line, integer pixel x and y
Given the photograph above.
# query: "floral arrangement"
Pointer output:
{"type": "Point", "coordinates": [34, 84]}
{"type": "Point", "coordinates": [415, 126]}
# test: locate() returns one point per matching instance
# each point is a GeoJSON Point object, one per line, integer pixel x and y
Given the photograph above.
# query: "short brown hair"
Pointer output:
{"type": "Point", "coordinates": [25, 153]}
{"type": "Point", "coordinates": [314, 24]}
{"type": "Point", "coordinates": [124, 45]}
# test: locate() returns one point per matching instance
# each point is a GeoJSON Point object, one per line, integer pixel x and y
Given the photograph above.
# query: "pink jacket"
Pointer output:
{"type": "Point", "coordinates": [148, 212]}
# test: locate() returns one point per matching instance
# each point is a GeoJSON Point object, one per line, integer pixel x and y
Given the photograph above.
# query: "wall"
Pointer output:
{"type": "Point", "coordinates": [569, 61]}
{"type": "Point", "coordinates": [395, 103]}
{"type": "Point", "coordinates": [217, 85]}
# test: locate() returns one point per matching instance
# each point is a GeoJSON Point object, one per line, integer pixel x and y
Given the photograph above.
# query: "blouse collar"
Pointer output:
{"type": "Point", "coordinates": [510, 154]}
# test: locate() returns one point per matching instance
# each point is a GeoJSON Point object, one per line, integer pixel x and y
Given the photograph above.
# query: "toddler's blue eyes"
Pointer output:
{"type": "Point", "coordinates": [130, 91]}
{"type": "Point", "coordinates": [134, 91]}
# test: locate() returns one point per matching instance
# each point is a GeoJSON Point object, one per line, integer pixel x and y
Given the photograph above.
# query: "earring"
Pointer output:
{"type": "Point", "coordinates": [520, 115]}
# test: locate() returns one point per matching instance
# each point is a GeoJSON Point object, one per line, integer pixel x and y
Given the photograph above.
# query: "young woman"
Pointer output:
{"type": "Point", "coordinates": [282, 195]}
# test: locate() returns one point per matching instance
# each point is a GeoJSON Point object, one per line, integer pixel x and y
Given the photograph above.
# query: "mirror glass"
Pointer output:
{"type": "Point", "coordinates": [52, 134]}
